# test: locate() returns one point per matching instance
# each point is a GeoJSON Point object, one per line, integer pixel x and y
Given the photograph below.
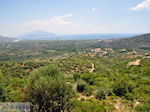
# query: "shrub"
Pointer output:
{"type": "Point", "coordinates": [143, 108]}
{"type": "Point", "coordinates": [88, 91]}
{"type": "Point", "coordinates": [47, 89]}
{"type": "Point", "coordinates": [80, 106]}
{"type": "Point", "coordinates": [82, 99]}
{"type": "Point", "coordinates": [76, 76]}
{"type": "Point", "coordinates": [101, 94]}
{"type": "Point", "coordinates": [123, 87]}
{"type": "Point", "coordinates": [81, 87]}
{"type": "Point", "coordinates": [129, 96]}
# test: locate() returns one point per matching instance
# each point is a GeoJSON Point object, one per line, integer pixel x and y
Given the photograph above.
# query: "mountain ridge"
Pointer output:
{"type": "Point", "coordinates": [6, 39]}
{"type": "Point", "coordinates": [139, 41]}
{"type": "Point", "coordinates": [43, 35]}
{"type": "Point", "coordinates": [36, 35]}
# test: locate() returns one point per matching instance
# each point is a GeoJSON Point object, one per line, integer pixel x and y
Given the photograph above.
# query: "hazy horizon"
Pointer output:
{"type": "Point", "coordinates": [74, 17]}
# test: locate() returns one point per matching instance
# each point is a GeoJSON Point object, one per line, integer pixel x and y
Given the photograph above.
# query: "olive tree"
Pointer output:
{"type": "Point", "coordinates": [48, 90]}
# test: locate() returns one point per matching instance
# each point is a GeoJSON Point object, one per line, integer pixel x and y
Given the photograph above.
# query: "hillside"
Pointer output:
{"type": "Point", "coordinates": [37, 35]}
{"type": "Point", "coordinates": [140, 41]}
{"type": "Point", "coordinates": [27, 49]}
{"type": "Point", "coordinates": [43, 35]}
{"type": "Point", "coordinates": [6, 39]}
{"type": "Point", "coordinates": [111, 87]}
{"type": "Point", "coordinates": [92, 77]}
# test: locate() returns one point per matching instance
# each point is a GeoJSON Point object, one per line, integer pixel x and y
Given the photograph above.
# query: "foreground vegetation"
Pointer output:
{"type": "Point", "coordinates": [112, 86]}
{"type": "Point", "coordinates": [75, 76]}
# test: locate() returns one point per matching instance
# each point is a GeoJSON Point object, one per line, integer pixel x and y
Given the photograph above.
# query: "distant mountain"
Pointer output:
{"type": "Point", "coordinates": [6, 39]}
{"type": "Point", "coordinates": [140, 41]}
{"type": "Point", "coordinates": [42, 35]}
{"type": "Point", "coordinates": [37, 35]}
{"type": "Point", "coordinates": [95, 36]}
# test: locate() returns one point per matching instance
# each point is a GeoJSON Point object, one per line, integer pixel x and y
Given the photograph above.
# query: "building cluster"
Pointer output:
{"type": "Point", "coordinates": [101, 52]}
{"type": "Point", "coordinates": [130, 53]}
{"type": "Point", "coordinates": [134, 53]}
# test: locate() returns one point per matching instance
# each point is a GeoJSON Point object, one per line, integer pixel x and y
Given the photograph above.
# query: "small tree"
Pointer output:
{"type": "Point", "coordinates": [11, 89]}
{"type": "Point", "coordinates": [81, 87]}
{"type": "Point", "coordinates": [48, 90]}
{"type": "Point", "coordinates": [2, 98]}
{"type": "Point", "coordinates": [120, 88]}
{"type": "Point", "coordinates": [123, 87]}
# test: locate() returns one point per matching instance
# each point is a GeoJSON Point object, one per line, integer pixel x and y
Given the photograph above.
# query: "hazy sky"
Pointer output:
{"type": "Point", "coordinates": [74, 16]}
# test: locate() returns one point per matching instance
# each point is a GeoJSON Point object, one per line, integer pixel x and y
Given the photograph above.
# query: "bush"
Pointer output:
{"type": "Point", "coordinates": [80, 106]}
{"type": "Point", "coordinates": [123, 87]}
{"type": "Point", "coordinates": [76, 76]}
{"type": "Point", "coordinates": [129, 96]}
{"type": "Point", "coordinates": [82, 99]}
{"type": "Point", "coordinates": [101, 94]}
{"type": "Point", "coordinates": [88, 91]}
{"type": "Point", "coordinates": [2, 98]}
{"type": "Point", "coordinates": [142, 93]}
{"type": "Point", "coordinates": [48, 89]}
{"type": "Point", "coordinates": [81, 87]}
{"type": "Point", "coordinates": [143, 108]}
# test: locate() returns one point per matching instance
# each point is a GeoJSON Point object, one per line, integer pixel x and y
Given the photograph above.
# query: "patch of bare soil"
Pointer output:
{"type": "Point", "coordinates": [93, 68]}
{"type": "Point", "coordinates": [85, 97]}
{"type": "Point", "coordinates": [134, 63]}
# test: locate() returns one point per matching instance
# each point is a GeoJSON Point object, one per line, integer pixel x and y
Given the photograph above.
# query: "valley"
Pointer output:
{"type": "Point", "coordinates": [74, 56]}
{"type": "Point", "coordinates": [87, 75]}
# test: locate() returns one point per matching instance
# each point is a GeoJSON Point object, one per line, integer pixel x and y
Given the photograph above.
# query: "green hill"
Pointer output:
{"type": "Point", "coordinates": [6, 39]}
{"type": "Point", "coordinates": [140, 41]}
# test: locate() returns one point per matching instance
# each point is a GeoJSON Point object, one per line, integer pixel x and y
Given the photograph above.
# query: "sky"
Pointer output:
{"type": "Point", "coordinates": [74, 16]}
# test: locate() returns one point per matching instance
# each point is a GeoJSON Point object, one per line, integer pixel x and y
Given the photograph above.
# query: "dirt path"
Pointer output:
{"type": "Point", "coordinates": [93, 68]}
{"type": "Point", "coordinates": [118, 105]}
{"type": "Point", "coordinates": [136, 62]}
{"type": "Point", "coordinates": [85, 97]}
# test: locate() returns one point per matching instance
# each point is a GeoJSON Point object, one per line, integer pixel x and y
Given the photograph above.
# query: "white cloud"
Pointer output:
{"type": "Point", "coordinates": [57, 24]}
{"type": "Point", "coordinates": [141, 6]}
{"type": "Point", "coordinates": [62, 25]}
{"type": "Point", "coordinates": [93, 9]}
